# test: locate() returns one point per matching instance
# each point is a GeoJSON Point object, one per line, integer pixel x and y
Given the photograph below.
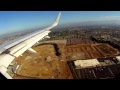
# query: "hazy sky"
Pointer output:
{"type": "Point", "coordinates": [11, 21]}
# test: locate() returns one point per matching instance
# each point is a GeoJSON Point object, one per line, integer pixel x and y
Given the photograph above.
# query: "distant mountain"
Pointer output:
{"type": "Point", "coordinates": [76, 24]}
{"type": "Point", "coordinates": [90, 23]}
{"type": "Point", "coordinates": [20, 32]}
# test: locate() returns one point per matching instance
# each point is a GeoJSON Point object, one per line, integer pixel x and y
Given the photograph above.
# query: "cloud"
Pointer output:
{"type": "Point", "coordinates": [110, 17]}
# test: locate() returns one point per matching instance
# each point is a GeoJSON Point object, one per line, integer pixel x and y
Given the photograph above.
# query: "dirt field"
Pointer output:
{"type": "Point", "coordinates": [43, 65]}
{"type": "Point", "coordinates": [106, 49]}
{"type": "Point", "coordinates": [88, 51]}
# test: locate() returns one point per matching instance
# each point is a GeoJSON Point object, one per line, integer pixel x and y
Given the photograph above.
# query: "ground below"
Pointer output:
{"type": "Point", "coordinates": [46, 64]}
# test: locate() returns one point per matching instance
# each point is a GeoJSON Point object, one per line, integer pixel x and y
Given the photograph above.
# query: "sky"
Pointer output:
{"type": "Point", "coordinates": [12, 21]}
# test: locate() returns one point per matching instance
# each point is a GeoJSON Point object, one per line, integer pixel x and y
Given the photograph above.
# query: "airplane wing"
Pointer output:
{"type": "Point", "coordinates": [10, 50]}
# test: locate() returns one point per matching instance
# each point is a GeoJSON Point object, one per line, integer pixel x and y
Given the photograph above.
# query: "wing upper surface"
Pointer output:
{"type": "Point", "coordinates": [12, 43]}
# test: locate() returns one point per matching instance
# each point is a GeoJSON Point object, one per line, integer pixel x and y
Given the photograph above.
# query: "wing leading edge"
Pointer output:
{"type": "Point", "coordinates": [10, 44]}
{"type": "Point", "coordinates": [10, 50]}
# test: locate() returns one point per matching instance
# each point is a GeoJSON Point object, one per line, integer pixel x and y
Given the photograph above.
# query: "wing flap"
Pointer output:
{"type": "Point", "coordinates": [22, 50]}
{"type": "Point", "coordinates": [18, 50]}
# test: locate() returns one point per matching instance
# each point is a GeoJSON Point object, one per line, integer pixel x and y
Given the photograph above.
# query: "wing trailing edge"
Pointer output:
{"type": "Point", "coordinates": [12, 43]}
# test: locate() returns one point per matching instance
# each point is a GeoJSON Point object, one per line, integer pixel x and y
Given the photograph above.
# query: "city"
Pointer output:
{"type": "Point", "coordinates": [57, 54]}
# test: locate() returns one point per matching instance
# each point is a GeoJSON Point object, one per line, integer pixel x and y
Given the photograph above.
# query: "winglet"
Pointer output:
{"type": "Point", "coordinates": [56, 21]}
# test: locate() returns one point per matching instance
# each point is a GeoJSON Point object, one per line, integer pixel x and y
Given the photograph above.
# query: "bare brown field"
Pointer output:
{"type": "Point", "coordinates": [106, 49]}
{"type": "Point", "coordinates": [43, 65]}
{"type": "Point", "coordinates": [88, 51]}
